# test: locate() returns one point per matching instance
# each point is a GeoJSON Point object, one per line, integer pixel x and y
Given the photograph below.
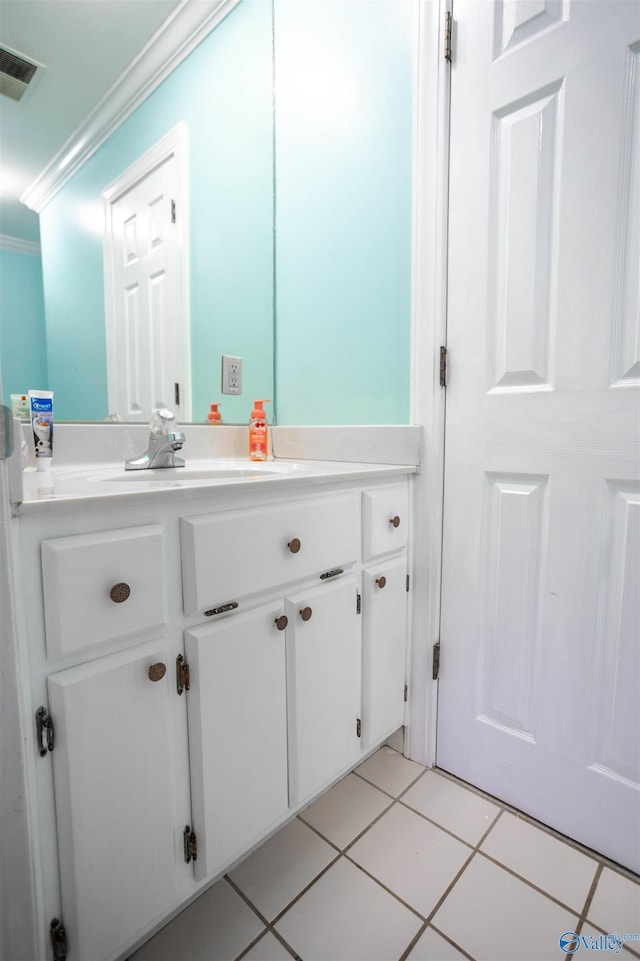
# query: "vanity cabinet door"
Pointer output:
{"type": "Point", "coordinates": [384, 614]}
{"type": "Point", "coordinates": [237, 714]}
{"type": "Point", "coordinates": [322, 685]}
{"type": "Point", "coordinates": [119, 831]}
{"type": "Point", "coordinates": [385, 520]}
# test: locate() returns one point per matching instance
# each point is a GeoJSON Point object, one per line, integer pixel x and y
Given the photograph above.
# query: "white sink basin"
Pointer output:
{"type": "Point", "coordinates": [198, 471]}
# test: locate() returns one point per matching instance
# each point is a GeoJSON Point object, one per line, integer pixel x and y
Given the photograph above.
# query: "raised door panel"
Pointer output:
{"type": "Point", "coordinates": [237, 714]}
{"type": "Point", "coordinates": [116, 810]}
{"type": "Point", "coordinates": [277, 545]}
{"type": "Point", "coordinates": [384, 606]}
{"type": "Point", "coordinates": [385, 520]}
{"type": "Point", "coordinates": [322, 685]}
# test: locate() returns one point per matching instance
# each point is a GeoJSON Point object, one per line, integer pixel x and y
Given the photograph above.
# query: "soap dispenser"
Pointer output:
{"type": "Point", "coordinates": [258, 440]}
{"type": "Point", "coordinates": [214, 416]}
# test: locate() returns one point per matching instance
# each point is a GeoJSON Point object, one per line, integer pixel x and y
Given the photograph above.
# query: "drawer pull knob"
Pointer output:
{"type": "Point", "coordinates": [381, 581]}
{"type": "Point", "coordinates": [394, 521]}
{"type": "Point", "coordinates": [119, 593]}
{"type": "Point", "coordinates": [281, 622]}
{"type": "Point", "coordinates": [294, 545]}
{"type": "Point", "coordinates": [306, 613]}
{"type": "Point", "coordinates": [157, 671]}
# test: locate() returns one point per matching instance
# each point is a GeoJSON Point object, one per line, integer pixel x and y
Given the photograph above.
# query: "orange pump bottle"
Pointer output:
{"type": "Point", "coordinates": [258, 438]}
{"type": "Point", "coordinates": [214, 416]}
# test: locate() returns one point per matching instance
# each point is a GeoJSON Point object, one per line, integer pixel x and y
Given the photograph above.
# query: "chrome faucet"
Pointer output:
{"type": "Point", "coordinates": [164, 441]}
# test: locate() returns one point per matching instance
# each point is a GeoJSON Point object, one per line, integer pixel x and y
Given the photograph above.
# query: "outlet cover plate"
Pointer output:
{"type": "Point", "coordinates": [231, 374]}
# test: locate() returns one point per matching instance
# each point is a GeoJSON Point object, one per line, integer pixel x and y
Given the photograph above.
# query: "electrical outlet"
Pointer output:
{"type": "Point", "coordinates": [231, 374]}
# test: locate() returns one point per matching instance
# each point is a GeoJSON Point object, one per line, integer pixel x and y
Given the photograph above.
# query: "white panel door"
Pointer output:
{"type": "Point", "coordinates": [145, 351]}
{"type": "Point", "coordinates": [539, 690]}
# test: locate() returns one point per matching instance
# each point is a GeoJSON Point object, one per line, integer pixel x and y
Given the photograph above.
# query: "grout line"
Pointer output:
{"type": "Point", "coordinates": [523, 816]}
{"type": "Point", "coordinates": [453, 943]}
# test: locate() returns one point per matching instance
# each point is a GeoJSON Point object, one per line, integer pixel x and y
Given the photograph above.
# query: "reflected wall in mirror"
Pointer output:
{"type": "Point", "coordinates": [299, 233]}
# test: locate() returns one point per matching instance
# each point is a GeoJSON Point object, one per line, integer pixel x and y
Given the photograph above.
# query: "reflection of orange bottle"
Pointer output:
{"type": "Point", "coordinates": [258, 440]}
{"type": "Point", "coordinates": [214, 416]}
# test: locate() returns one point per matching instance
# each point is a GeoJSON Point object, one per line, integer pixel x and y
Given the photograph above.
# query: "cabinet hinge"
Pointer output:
{"type": "Point", "coordinates": [58, 937]}
{"type": "Point", "coordinates": [173, 211]}
{"type": "Point", "coordinates": [358, 604]}
{"type": "Point", "coordinates": [190, 842]}
{"type": "Point", "coordinates": [436, 661]}
{"type": "Point", "coordinates": [448, 18]}
{"type": "Point", "coordinates": [183, 675]}
{"type": "Point", "coordinates": [358, 727]}
{"type": "Point", "coordinates": [443, 366]}
{"type": "Point", "coordinates": [45, 732]}
{"type": "Point", "coordinates": [406, 693]}
{"type": "Point", "coordinates": [408, 583]}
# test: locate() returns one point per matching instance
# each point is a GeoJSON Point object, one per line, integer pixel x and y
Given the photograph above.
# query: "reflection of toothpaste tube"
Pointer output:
{"type": "Point", "coordinates": [41, 404]}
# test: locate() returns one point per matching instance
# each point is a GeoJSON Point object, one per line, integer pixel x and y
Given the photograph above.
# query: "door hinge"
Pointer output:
{"type": "Point", "coordinates": [45, 732]}
{"type": "Point", "coordinates": [58, 937]}
{"type": "Point", "coordinates": [173, 211]}
{"type": "Point", "coordinates": [183, 675]}
{"type": "Point", "coordinates": [406, 693]}
{"type": "Point", "coordinates": [408, 582]}
{"type": "Point", "coordinates": [190, 842]}
{"type": "Point", "coordinates": [436, 661]}
{"type": "Point", "coordinates": [176, 394]}
{"type": "Point", "coordinates": [358, 604]}
{"type": "Point", "coordinates": [358, 727]}
{"type": "Point", "coordinates": [448, 19]}
{"type": "Point", "coordinates": [443, 366]}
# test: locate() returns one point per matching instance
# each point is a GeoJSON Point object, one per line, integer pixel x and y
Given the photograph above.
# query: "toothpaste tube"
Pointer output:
{"type": "Point", "coordinates": [41, 405]}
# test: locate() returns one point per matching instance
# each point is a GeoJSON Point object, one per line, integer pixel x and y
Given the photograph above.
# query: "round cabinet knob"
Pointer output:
{"type": "Point", "coordinates": [281, 622]}
{"type": "Point", "coordinates": [119, 593]}
{"type": "Point", "coordinates": [394, 521]}
{"type": "Point", "coordinates": [294, 545]}
{"type": "Point", "coordinates": [381, 581]}
{"type": "Point", "coordinates": [157, 671]}
{"type": "Point", "coordinates": [306, 613]}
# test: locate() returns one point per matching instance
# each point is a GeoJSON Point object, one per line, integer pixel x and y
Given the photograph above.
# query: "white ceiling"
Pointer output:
{"type": "Point", "coordinates": [84, 45]}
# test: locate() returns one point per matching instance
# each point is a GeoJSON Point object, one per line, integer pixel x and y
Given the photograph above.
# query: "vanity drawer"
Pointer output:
{"type": "Point", "coordinates": [385, 520]}
{"type": "Point", "coordinates": [102, 587]}
{"type": "Point", "coordinates": [241, 552]}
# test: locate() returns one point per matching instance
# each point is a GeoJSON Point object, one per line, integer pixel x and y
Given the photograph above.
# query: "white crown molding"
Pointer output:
{"type": "Point", "coordinates": [19, 246]}
{"type": "Point", "coordinates": [178, 36]}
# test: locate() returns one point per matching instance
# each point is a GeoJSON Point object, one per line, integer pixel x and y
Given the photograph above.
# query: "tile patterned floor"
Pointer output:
{"type": "Point", "coordinates": [399, 863]}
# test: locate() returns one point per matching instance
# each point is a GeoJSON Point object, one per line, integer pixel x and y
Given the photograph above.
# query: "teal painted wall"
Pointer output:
{"type": "Point", "coordinates": [344, 116]}
{"type": "Point", "coordinates": [226, 101]}
{"type": "Point", "coordinates": [23, 353]}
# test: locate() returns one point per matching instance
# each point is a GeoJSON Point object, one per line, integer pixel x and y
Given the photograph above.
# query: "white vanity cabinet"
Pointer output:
{"type": "Point", "coordinates": [296, 670]}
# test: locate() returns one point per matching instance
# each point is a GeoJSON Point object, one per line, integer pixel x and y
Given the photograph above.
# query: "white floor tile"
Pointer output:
{"type": "Point", "coordinates": [268, 948]}
{"type": "Point", "coordinates": [552, 865]}
{"type": "Point", "coordinates": [344, 812]}
{"type": "Point", "coordinates": [454, 807]}
{"type": "Point", "coordinates": [413, 858]}
{"type": "Point", "coordinates": [432, 947]}
{"type": "Point", "coordinates": [494, 916]}
{"type": "Point", "coordinates": [216, 927]}
{"type": "Point", "coordinates": [346, 915]}
{"type": "Point", "coordinates": [616, 904]}
{"type": "Point", "coordinates": [390, 771]}
{"type": "Point", "coordinates": [274, 874]}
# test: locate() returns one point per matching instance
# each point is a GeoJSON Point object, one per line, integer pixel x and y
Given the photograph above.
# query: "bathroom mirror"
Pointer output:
{"type": "Point", "coordinates": [300, 119]}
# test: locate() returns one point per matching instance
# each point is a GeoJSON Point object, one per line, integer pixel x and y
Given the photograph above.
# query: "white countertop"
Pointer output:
{"type": "Point", "coordinates": [98, 485]}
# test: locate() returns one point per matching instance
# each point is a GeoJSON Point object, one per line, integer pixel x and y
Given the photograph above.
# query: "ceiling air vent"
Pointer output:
{"type": "Point", "coordinates": [16, 74]}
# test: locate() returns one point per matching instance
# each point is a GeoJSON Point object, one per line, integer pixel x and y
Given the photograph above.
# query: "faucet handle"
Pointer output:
{"type": "Point", "coordinates": [162, 421]}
